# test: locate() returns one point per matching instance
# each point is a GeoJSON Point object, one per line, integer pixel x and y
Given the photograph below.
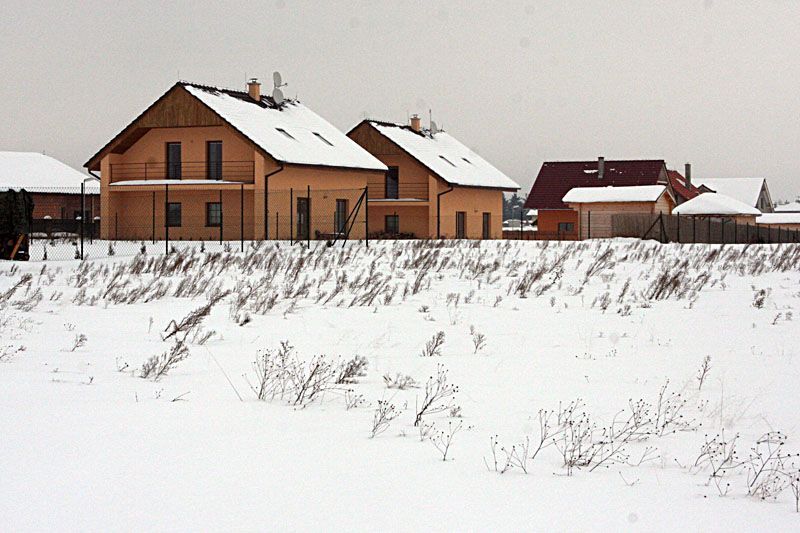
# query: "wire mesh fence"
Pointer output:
{"type": "Point", "coordinates": [696, 229]}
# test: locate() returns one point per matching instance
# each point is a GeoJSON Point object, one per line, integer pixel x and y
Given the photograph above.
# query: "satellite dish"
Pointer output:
{"type": "Point", "coordinates": [434, 128]}
{"type": "Point", "coordinates": [277, 79]}
{"type": "Point", "coordinates": [277, 95]}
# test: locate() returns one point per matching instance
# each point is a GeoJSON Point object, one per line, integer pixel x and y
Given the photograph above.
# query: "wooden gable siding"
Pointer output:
{"type": "Point", "coordinates": [175, 109]}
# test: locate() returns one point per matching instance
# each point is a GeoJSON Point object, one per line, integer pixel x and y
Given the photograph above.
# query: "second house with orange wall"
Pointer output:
{"type": "Point", "coordinates": [435, 187]}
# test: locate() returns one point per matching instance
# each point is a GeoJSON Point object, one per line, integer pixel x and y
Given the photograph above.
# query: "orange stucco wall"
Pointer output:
{"type": "Point", "coordinates": [420, 218]}
{"type": "Point", "coordinates": [549, 219]}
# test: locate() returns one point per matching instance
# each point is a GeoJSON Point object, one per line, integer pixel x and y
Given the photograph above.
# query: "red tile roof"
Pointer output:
{"type": "Point", "coordinates": [556, 178]}
{"type": "Point", "coordinates": [678, 183]}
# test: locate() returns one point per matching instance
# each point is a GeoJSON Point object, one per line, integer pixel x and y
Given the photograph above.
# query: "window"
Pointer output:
{"type": "Point", "coordinates": [214, 160]}
{"type": "Point", "coordinates": [174, 161]}
{"type": "Point", "coordinates": [487, 226]}
{"type": "Point", "coordinates": [323, 139]}
{"type": "Point", "coordinates": [451, 163]}
{"type": "Point", "coordinates": [461, 224]}
{"type": "Point", "coordinates": [286, 133]}
{"type": "Point", "coordinates": [174, 215]}
{"type": "Point", "coordinates": [566, 227]}
{"type": "Point", "coordinates": [213, 214]}
{"type": "Point", "coordinates": [392, 224]}
{"type": "Point", "coordinates": [340, 215]}
{"type": "Point", "coordinates": [392, 183]}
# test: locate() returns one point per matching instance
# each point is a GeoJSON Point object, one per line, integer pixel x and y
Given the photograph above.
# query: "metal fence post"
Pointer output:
{"type": "Point", "coordinates": [277, 214]}
{"type": "Point", "coordinates": [241, 216]}
{"type": "Point", "coordinates": [308, 216]}
{"type": "Point", "coordinates": [679, 228]}
{"type": "Point", "coordinates": [588, 224]}
{"type": "Point", "coordinates": [366, 215]}
{"type": "Point", "coordinates": [709, 230]}
{"type": "Point", "coordinates": [291, 215]}
{"type": "Point", "coordinates": [153, 231]}
{"type": "Point", "coordinates": [694, 230]}
{"type": "Point", "coordinates": [166, 218]}
{"type": "Point", "coordinates": [266, 208]}
{"type": "Point", "coordinates": [221, 217]}
{"type": "Point", "coordinates": [83, 213]}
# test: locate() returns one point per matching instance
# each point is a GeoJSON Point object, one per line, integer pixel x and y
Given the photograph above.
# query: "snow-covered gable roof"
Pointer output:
{"type": "Point", "coordinates": [712, 203]}
{"type": "Point", "coordinates": [290, 133]}
{"type": "Point", "coordinates": [746, 190]}
{"type": "Point", "coordinates": [793, 207]}
{"type": "Point", "coordinates": [446, 157]}
{"type": "Point", "coordinates": [634, 193]}
{"type": "Point", "coordinates": [779, 218]}
{"type": "Point", "coordinates": [36, 172]}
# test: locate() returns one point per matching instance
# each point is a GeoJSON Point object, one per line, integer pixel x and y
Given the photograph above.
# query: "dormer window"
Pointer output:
{"type": "Point", "coordinates": [286, 133]}
{"type": "Point", "coordinates": [451, 163]}
{"type": "Point", "coordinates": [323, 139]}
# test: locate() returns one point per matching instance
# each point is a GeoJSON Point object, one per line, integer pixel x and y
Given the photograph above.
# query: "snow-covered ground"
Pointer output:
{"type": "Point", "coordinates": [88, 444]}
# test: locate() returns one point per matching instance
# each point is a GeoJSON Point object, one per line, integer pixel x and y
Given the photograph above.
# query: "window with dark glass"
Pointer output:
{"type": "Point", "coordinates": [487, 225]}
{"type": "Point", "coordinates": [174, 161]}
{"type": "Point", "coordinates": [214, 160]}
{"type": "Point", "coordinates": [392, 183]}
{"type": "Point", "coordinates": [566, 227]}
{"type": "Point", "coordinates": [461, 224]}
{"type": "Point", "coordinates": [340, 215]}
{"type": "Point", "coordinates": [392, 224]}
{"type": "Point", "coordinates": [174, 214]}
{"type": "Point", "coordinates": [213, 214]}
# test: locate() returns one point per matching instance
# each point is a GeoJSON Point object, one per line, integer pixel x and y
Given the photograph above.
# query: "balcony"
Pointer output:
{"type": "Point", "coordinates": [240, 171]}
{"type": "Point", "coordinates": [378, 191]}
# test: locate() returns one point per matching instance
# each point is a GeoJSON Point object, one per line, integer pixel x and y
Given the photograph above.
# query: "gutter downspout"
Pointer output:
{"type": "Point", "coordinates": [266, 198]}
{"type": "Point", "coordinates": [439, 211]}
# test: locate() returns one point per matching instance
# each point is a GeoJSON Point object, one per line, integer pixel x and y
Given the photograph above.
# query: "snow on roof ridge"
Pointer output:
{"type": "Point", "coordinates": [613, 194]}
{"type": "Point", "coordinates": [311, 140]}
{"type": "Point", "coordinates": [713, 203]}
{"type": "Point", "coordinates": [445, 156]}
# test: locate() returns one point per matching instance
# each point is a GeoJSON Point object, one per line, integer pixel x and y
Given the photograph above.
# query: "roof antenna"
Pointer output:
{"type": "Point", "coordinates": [433, 128]}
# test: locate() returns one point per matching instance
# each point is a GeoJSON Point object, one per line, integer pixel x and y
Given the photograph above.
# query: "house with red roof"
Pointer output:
{"type": "Point", "coordinates": [556, 178]}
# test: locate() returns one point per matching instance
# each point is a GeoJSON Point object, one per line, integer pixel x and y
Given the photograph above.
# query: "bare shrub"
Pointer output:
{"type": "Point", "coordinates": [438, 397]}
{"type": "Point", "coordinates": [478, 339]}
{"type": "Point", "coordinates": [719, 455]}
{"type": "Point", "coordinates": [159, 366]}
{"type": "Point", "coordinates": [399, 381]}
{"type": "Point", "coordinates": [351, 369]}
{"type": "Point", "coordinates": [353, 400]}
{"type": "Point", "coordinates": [79, 341]}
{"type": "Point", "coordinates": [767, 467]}
{"type": "Point", "coordinates": [443, 440]}
{"type": "Point", "coordinates": [382, 417]}
{"type": "Point", "coordinates": [703, 372]}
{"type": "Point", "coordinates": [434, 346]}
{"type": "Point", "coordinates": [192, 320]}
{"type": "Point", "coordinates": [669, 413]}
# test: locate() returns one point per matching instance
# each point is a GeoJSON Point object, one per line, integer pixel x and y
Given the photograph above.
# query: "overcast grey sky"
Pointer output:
{"type": "Point", "coordinates": [712, 82]}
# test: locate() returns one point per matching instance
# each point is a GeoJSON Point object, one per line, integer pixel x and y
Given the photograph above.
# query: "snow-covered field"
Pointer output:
{"type": "Point", "coordinates": [618, 328]}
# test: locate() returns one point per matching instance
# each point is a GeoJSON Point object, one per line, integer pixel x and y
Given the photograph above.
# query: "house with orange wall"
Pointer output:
{"type": "Point", "coordinates": [435, 186]}
{"type": "Point", "coordinates": [204, 162]}
{"type": "Point", "coordinates": [556, 219]}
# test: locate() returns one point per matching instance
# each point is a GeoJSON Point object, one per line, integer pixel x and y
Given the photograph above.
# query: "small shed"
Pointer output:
{"type": "Point", "coordinates": [597, 205]}
{"type": "Point", "coordinates": [716, 205]}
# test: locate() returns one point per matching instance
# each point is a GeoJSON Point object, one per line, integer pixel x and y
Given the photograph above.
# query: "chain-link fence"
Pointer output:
{"type": "Point", "coordinates": [695, 229]}
{"type": "Point", "coordinates": [162, 218]}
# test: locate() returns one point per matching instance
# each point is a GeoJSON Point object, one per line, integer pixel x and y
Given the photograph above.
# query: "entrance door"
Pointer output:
{"type": "Point", "coordinates": [303, 225]}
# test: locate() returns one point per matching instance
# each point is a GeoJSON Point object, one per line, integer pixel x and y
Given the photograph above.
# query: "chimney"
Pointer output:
{"type": "Point", "coordinates": [416, 123]}
{"type": "Point", "coordinates": [687, 173]}
{"type": "Point", "coordinates": [601, 167]}
{"type": "Point", "coordinates": [254, 89]}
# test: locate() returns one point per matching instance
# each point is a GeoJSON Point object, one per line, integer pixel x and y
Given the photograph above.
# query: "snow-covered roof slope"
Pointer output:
{"type": "Point", "coordinates": [746, 190]}
{"type": "Point", "coordinates": [37, 172]}
{"type": "Point", "coordinates": [779, 218]}
{"type": "Point", "coordinates": [291, 132]}
{"type": "Point", "coordinates": [712, 203]}
{"type": "Point", "coordinates": [793, 207]}
{"type": "Point", "coordinates": [445, 156]}
{"type": "Point", "coordinates": [634, 193]}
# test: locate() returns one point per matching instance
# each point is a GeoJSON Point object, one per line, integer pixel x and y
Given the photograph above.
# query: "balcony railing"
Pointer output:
{"type": "Point", "coordinates": [403, 191]}
{"type": "Point", "coordinates": [241, 171]}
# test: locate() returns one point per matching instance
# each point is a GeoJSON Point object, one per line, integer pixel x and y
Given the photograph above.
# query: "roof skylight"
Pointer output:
{"type": "Point", "coordinates": [451, 163]}
{"type": "Point", "coordinates": [323, 139]}
{"type": "Point", "coordinates": [286, 133]}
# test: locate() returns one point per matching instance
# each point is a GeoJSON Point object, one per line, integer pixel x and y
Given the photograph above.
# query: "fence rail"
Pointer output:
{"type": "Point", "coordinates": [695, 229]}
